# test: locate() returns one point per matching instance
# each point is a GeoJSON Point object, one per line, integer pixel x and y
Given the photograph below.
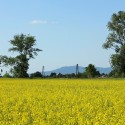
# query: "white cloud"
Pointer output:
{"type": "Point", "coordinates": [36, 22]}
{"type": "Point", "coordinates": [39, 22]}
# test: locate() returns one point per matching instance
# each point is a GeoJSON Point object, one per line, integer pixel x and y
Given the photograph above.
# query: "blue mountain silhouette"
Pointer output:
{"type": "Point", "coordinates": [72, 69]}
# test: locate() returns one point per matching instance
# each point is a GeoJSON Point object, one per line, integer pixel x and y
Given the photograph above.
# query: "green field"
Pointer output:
{"type": "Point", "coordinates": [62, 102]}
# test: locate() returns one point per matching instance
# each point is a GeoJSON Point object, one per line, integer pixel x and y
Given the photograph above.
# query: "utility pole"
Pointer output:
{"type": "Point", "coordinates": [43, 74]}
{"type": "Point", "coordinates": [77, 70]}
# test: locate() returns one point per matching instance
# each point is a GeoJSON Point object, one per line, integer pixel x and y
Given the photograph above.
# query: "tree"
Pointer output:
{"type": "Point", "coordinates": [7, 75]}
{"type": "Point", "coordinates": [36, 74]}
{"type": "Point", "coordinates": [53, 75]}
{"type": "Point", "coordinates": [60, 75]}
{"type": "Point", "coordinates": [91, 71]}
{"type": "Point", "coordinates": [116, 41]}
{"type": "Point", "coordinates": [24, 45]}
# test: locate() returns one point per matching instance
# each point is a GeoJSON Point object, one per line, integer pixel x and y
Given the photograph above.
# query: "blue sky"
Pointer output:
{"type": "Point", "coordinates": [68, 31]}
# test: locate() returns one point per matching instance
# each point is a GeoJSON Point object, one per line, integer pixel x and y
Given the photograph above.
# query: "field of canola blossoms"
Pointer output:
{"type": "Point", "coordinates": [62, 102]}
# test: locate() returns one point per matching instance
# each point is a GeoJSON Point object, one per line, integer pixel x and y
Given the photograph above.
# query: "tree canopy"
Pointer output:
{"type": "Point", "coordinates": [90, 71]}
{"type": "Point", "coordinates": [116, 41]}
{"type": "Point", "coordinates": [24, 46]}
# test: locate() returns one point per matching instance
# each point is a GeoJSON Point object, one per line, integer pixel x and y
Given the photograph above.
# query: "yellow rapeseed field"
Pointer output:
{"type": "Point", "coordinates": [62, 102]}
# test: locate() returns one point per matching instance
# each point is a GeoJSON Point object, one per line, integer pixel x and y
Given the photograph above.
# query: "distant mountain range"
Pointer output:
{"type": "Point", "coordinates": [72, 69]}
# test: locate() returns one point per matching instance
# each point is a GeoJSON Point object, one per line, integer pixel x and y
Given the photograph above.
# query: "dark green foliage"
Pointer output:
{"type": "Point", "coordinates": [84, 75]}
{"type": "Point", "coordinates": [36, 74]}
{"type": "Point", "coordinates": [91, 72]}
{"type": "Point", "coordinates": [24, 46]}
{"type": "Point", "coordinates": [7, 75]}
{"type": "Point", "coordinates": [116, 41]}
{"type": "Point", "coordinates": [53, 75]}
{"type": "Point", "coordinates": [60, 75]}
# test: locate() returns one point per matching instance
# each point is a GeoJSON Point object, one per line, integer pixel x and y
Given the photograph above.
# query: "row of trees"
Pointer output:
{"type": "Point", "coordinates": [90, 72]}
{"type": "Point", "coordinates": [24, 46]}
